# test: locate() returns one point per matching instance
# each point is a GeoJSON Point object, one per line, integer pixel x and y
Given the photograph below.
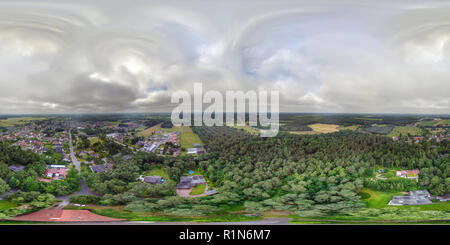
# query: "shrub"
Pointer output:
{"type": "Point", "coordinates": [84, 199]}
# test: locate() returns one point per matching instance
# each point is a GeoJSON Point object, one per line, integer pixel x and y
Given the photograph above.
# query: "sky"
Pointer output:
{"type": "Point", "coordinates": [109, 56]}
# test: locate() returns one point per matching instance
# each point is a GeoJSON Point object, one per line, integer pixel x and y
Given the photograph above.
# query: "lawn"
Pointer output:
{"type": "Point", "coordinates": [435, 206]}
{"type": "Point", "coordinates": [197, 190]}
{"type": "Point", "coordinates": [6, 205]}
{"type": "Point", "coordinates": [405, 130]}
{"type": "Point", "coordinates": [378, 199]}
{"type": "Point", "coordinates": [158, 172]}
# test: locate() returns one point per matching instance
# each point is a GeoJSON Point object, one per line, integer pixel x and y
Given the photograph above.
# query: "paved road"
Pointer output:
{"type": "Point", "coordinates": [72, 154]}
{"type": "Point", "coordinates": [84, 188]}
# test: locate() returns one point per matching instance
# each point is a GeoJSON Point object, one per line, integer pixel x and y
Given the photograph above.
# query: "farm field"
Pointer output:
{"type": "Point", "coordinates": [435, 123]}
{"type": "Point", "coordinates": [147, 132]}
{"type": "Point", "coordinates": [324, 128]}
{"type": "Point", "coordinates": [18, 121]}
{"type": "Point", "coordinates": [405, 131]}
{"type": "Point", "coordinates": [319, 128]}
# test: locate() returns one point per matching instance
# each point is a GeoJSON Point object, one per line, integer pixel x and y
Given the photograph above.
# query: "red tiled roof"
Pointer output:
{"type": "Point", "coordinates": [47, 215]}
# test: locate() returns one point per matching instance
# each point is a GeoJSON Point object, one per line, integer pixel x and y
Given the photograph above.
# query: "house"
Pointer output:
{"type": "Point", "coordinates": [197, 145]}
{"type": "Point", "coordinates": [59, 150]}
{"type": "Point", "coordinates": [444, 198]}
{"type": "Point", "coordinates": [423, 193]}
{"type": "Point", "coordinates": [54, 172]}
{"type": "Point", "coordinates": [16, 168]}
{"type": "Point", "coordinates": [408, 174]}
{"type": "Point", "coordinates": [100, 167]}
{"type": "Point", "coordinates": [394, 138]}
{"type": "Point", "coordinates": [419, 197]}
{"type": "Point", "coordinates": [196, 151]}
{"type": "Point", "coordinates": [152, 180]}
{"type": "Point", "coordinates": [187, 182]}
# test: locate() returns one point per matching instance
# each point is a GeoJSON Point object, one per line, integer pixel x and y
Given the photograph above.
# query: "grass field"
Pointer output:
{"type": "Point", "coordinates": [149, 131]}
{"type": "Point", "coordinates": [197, 190]}
{"type": "Point", "coordinates": [6, 205]}
{"type": "Point", "coordinates": [17, 121]}
{"type": "Point", "coordinates": [378, 199]}
{"type": "Point", "coordinates": [188, 137]}
{"type": "Point", "coordinates": [405, 130]}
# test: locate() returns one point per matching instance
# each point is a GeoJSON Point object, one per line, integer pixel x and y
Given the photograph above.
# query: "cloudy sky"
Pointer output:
{"type": "Point", "coordinates": [81, 56]}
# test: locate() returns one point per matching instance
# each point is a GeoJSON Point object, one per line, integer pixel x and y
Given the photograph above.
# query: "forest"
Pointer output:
{"type": "Point", "coordinates": [311, 175]}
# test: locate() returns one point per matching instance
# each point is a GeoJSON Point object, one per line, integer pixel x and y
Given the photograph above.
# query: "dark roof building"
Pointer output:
{"type": "Point", "coordinates": [152, 180]}
{"type": "Point", "coordinates": [187, 182]}
{"type": "Point", "coordinates": [100, 167]}
{"type": "Point", "coordinates": [424, 193]}
{"type": "Point", "coordinates": [418, 197]}
{"type": "Point", "coordinates": [16, 168]}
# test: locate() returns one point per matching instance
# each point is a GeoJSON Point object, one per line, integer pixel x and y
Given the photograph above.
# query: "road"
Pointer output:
{"type": "Point", "coordinates": [84, 188]}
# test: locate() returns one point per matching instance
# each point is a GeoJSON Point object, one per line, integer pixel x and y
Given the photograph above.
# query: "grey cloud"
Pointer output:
{"type": "Point", "coordinates": [129, 56]}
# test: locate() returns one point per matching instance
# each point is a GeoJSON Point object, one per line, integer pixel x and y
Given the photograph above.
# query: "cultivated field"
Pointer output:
{"type": "Point", "coordinates": [318, 128]}
{"type": "Point", "coordinates": [18, 121]}
{"type": "Point", "coordinates": [324, 128]}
